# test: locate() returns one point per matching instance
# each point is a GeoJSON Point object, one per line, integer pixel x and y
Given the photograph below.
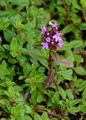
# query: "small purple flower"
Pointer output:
{"type": "Point", "coordinates": [60, 44]}
{"type": "Point", "coordinates": [56, 36]}
{"type": "Point", "coordinates": [43, 29]}
{"type": "Point", "coordinates": [52, 24]}
{"type": "Point", "coordinates": [44, 45]}
{"type": "Point", "coordinates": [47, 39]}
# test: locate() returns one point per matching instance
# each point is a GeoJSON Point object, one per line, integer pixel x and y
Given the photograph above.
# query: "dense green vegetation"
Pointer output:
{"type": "Point", "coordinates": [25, 65]}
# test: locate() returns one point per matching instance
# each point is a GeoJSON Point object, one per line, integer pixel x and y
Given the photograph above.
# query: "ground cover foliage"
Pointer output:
{"type": "Point", "coordinates": [25, 65]}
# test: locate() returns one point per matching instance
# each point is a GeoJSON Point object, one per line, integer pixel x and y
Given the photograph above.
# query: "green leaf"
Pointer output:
{"type": "Point", "coordinates": [40, 98]}
{"type": "Point", "coordinates": [55, 98]}
{"type": "Point", "coordinates": [36, 2]}
{"type": "Point", "coordinates": [84, 94]}
{"type": "Point", "coordinates": [28, 109]}
{"type": "Point", "coordinates": [5, 104]}
{"type": "Point", "coordinates": [14, 47]}
{"type": "Point", "coordinates": [76, 43]}
{"type": "Point", "coordinates": [27, 117]}
{"type": "Point", "coordinates": [80, 70]}
{"type": "Point", "coordinates": [76, 5]}
{"type": "Point", "coordinates": [4, 13]}
{"type": "Point", "coordinates": [83, 3]}
{"type": "Point", "coordinates": [16, 21]}
{"type": "Point", "coordinates": [69, 55]}
{"type": "Point", "coordinates": [68, 28]}
{"type": "Point", "coordinates": [69, 94]}
{"type": "Point", "coordinates": [83, 26]}
{"type": "Point", "coordinates": [4, 23]}
{"type": "Point", "coordinates": [4, 71]}
{"type": "Point", "coordinates": [8, 34]}
{"type": "Point", "coordinates": [62, 92]}
{"type": "Point", "coordinates": [56, 102]}
{"type": "Point", "coordinates": [40, 56]}
{"type": "Point", "coordinates": [44, 116]}
{"type": "Point", "coordinates": [78, 58]}
{"type": "Point", "coordinates": [66, 45]}
{"type": "Point", "coordinates": [83, 108]}
{"type": "Point", "coordinates": [44, 62]}
{"type": "Point", "coordinates": [19, 2]}
{"type": "Point", "coordinates": [15, 111]}
{"type": "Point", "coordinates": [37, 117]}
{"type": "Point", "coordinates": [26, 68]}
{"type": "Point", "coordinates": [67, 74]}
{"type": "Point", "coordinates": [74, 110]}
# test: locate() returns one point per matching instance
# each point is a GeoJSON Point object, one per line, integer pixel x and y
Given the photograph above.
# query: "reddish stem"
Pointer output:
{"type": "Point", "coordinates": [50, 77]}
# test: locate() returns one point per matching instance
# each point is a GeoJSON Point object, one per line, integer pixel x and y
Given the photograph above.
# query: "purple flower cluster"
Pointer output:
{"type": "Point", "coordinates": [51, 38]}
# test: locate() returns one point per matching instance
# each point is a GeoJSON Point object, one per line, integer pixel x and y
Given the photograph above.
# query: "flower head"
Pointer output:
{"type": "Point", "coordinates": [51, 38]}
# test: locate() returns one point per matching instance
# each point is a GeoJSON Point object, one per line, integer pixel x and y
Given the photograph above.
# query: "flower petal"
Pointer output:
{"type": "Point", "coordinates": [47, 39]}
{"type": "Point", "coordinates": [43, 30]}
{"type": "Point", "coordinates": [44, 45]}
